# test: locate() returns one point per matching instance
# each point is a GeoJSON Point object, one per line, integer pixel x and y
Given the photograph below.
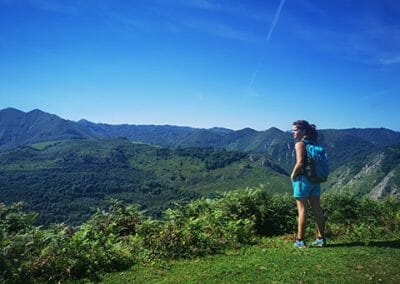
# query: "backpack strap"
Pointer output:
{"type": "Point", "coordinates": [308, 142]}
{"type": "Point", "coordinates": [303, 168]}
{"type": "Point", "coordinates": [306, 157]}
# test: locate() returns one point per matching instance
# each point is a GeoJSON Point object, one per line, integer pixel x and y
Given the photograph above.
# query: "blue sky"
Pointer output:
{"type": "Point", "coordinates": [204, 63]}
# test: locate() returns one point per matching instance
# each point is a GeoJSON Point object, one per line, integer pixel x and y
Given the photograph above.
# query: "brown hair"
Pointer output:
{"type": "Point", "coordinates": [310, 129]}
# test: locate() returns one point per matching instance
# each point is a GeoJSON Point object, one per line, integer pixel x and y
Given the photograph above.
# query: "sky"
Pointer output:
{"type": "Point", "coordinates": [204, 63]}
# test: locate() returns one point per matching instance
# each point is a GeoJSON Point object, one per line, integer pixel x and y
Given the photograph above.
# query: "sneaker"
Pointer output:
{"type": "Point", "coordinates": [319, 242]}
{"type": "Point", "coordinates": [299, 243]}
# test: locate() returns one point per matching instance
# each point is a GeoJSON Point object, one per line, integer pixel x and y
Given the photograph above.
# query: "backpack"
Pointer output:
{"type": "Point", "coordinates": [317, 163]}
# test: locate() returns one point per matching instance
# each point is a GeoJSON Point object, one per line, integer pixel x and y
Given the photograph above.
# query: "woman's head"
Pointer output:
{"type": "Point", "coordinates": [303, 130]}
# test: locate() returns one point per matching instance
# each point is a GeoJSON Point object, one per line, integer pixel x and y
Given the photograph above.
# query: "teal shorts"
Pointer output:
{"type": "Point", "coordinates": [302, 187]}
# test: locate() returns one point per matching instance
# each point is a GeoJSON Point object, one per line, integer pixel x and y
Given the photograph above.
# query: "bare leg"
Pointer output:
{"type": "Point", "coordinates": [319, 216]}
{"type": "Point", "coordinates": [301, 221]}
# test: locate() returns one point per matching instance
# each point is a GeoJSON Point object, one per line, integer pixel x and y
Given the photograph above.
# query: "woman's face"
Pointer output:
{"type": "Point", "coordinates": [297, 133]}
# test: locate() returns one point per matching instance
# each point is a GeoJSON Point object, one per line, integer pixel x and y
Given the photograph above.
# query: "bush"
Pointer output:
{"type": "Point", "coordinates": [361, 218]}
{"type": "Point", "coordinates": [20, 241]}
{"type": "Point", "coordinates": [272, 214]}
{"type": "Point", "coordinates": [197, 228]}
{"type": "Point", "coordinates": [60, 253]}
{"type": "Point", "coordinates": [120, 237]}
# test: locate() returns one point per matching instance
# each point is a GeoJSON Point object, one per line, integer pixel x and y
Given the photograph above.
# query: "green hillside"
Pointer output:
{"type": "Point", "coordinates": [65, 181]}
{"type": "Point", "coordinates": [18, 128]}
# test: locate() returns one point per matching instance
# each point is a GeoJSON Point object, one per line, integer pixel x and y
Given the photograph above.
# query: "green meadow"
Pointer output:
{"type": "Point", "coordinates": [275, 260]}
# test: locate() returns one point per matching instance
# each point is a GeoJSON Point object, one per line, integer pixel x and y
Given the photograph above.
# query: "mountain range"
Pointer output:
{"type": "Point", "coordinates": [18, 128]}
{"type": "Point", "coordinates": [363, 161]}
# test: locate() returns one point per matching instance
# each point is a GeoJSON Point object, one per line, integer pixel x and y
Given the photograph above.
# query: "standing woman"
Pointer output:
{"type": "Point", "coordinates": [303, 190]}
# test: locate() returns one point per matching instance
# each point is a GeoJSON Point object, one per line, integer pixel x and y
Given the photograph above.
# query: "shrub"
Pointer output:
{"type": "Point", "coordinates": [120, 237]}
{"type": "Point", "coordinates": [361, 218]}
{"type": "Point", "coordinates": [272, 214]}
{"type": "Point", "coordinates": [194, 229]}
{"type": "Point", "coordinates": [59, 253]}
{"type": "Point", "coordinates": [20, 242]}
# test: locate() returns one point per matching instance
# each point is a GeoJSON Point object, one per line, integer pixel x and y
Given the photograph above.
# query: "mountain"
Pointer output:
{"type": "Point", "coordinates": [245, 139]}
{"type": "Point", "coordinates": [19, 128]}
{"type": "Point", "coordinates": [351, 151]}
{"type": "Point", "coordinates": [376, 174]}
{"type": "Point", "coordinates": [342, 145]}
{"type": "Point", "coordinates": [65, 181]}
{"type": "Point", "coordinates": [377, 136]}
{"type": "Point", "coordinates": [166, 135]}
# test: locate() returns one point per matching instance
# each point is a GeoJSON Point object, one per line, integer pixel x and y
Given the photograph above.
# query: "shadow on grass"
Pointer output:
{"type": "Point", "coordinates": [383, 244]}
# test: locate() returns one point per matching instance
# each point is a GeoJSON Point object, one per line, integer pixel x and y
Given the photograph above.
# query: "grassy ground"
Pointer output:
{"type": "Point", "coordinates": [275, 260]}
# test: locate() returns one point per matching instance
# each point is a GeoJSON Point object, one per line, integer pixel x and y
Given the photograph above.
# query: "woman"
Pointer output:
{"type": "Point", "coordinates": [303, 190]}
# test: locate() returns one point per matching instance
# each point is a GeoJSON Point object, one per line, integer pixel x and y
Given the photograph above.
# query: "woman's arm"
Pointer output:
{"type": "Point", "coordinates": [300, 151]}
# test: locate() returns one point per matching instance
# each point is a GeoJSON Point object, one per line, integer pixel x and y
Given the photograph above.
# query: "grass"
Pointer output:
{"type": "Point", "coordinates": [275, 260]}
{"type": "Point", "coordinates": [43, 145]}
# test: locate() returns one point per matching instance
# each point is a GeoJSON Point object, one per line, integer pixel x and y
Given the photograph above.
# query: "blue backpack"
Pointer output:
{"type": "Point", "coordinates": [317, 163]}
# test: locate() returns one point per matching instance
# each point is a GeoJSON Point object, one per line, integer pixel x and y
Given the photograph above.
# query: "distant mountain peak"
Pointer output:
{"type": "Point", "coordinates": [220, 130]}
{"type": "Point", "coordinates": [274, 129]}
{"type": "Point", "coordinates": [18, 128]}
{"type": "Point", "coordinates": [247, 130]}
{"type": "Point", "coordinates": [11, 110]}
{"type": "Point", "coordinates": [84, 121]}
{"type": "Point", "coordinates": [36, 110]}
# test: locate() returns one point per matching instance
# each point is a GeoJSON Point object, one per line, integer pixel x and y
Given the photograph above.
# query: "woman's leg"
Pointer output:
{"type": "Point", "coordinates": [319, 216]}
{"type": "Point", "coordinates": [301, 221]}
